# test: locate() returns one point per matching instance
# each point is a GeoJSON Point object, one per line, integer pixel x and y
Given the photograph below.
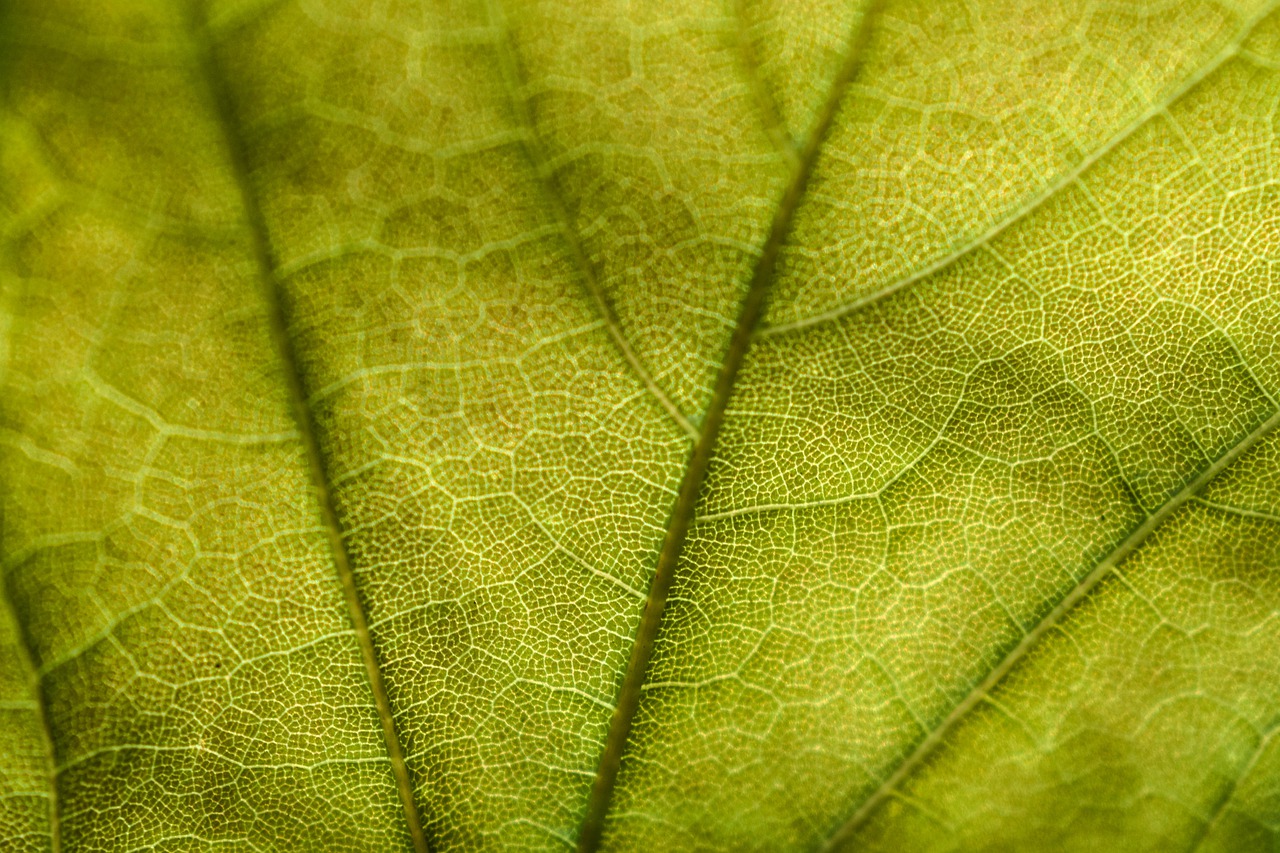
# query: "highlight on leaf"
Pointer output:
{"type": "Point", "coordinates": [721, 425]}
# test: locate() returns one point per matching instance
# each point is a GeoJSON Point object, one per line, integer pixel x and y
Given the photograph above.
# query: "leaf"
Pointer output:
{"type": "Point", "coordinates": [369, 366]}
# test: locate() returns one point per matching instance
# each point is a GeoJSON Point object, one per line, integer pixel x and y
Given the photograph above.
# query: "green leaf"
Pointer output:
{"type": "Point", "coordinates": [713, 425]}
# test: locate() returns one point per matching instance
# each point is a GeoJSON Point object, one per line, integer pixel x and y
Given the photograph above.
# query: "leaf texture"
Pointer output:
{"type": "Point", "coordinates": [737, 425]}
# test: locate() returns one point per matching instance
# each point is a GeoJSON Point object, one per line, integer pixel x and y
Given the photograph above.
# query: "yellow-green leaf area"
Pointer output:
{"type": "Point", "coordinates": [725, 425]}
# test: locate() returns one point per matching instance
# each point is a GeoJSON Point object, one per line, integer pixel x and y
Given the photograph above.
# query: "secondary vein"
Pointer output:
{"type": "Point", "coordinates": [535, 152]}
{"type": "Point", "coordinates": [1047, 194]}
{"type": "Point", "coordinates": [26, 650]}
{"type": "Point", "coordinates": [25, 645]}
{"type": "Point", "coordinates": [766, 104]}
{"type": "Point", "coordinates": [984, 688]}
{"type": "Point", "coordinates": [1229, 793]}
{"type": "Point", "coordinates": [274, 298]}
{"type": "Point", "coordinates": [682, 514]}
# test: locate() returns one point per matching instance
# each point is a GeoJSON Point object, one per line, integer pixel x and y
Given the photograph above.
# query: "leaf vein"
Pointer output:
{"type": "Point", "coordinates": [1048, 193]}
{"type": "Point", "coordinates": [1030, 639]}
{"type": "Point", "coordinates": [771, 117]}
{"type": "Point", "coordinates": [27, 651]}
{"type": "Point", "coordinates": [1229, 793]}
{"type": "Point", "coordinates": [682, 515]}
{"type": "Point", "coordinates": [533, 148]}
{"type": "Point", "coordinates": [274, 298]}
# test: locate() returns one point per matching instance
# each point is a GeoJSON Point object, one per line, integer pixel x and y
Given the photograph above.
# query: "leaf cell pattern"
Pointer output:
{"type": "Point", "coordinates": [856, 419]}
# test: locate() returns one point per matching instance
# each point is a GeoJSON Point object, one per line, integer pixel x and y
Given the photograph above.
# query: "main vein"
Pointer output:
{"type": "Point", "coordinates": [274, 298]}
{"type": "Point", "coordinates": [1046, 194]}
{"type": "Point", "coordinates": [984, 688]}
{"type": "Point", "coordinates": [682, 514]}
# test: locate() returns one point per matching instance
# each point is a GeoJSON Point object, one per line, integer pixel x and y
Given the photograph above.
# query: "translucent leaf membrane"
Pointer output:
{"type": "Point", "coordinates": [503, 474]}
{"type": "Point", "coordinates": [656, 143]}
{"type": "Point", "coordinates": [983, 558]}
{"type": "Point", "coordinates": [967, 115]}
{"type": "Point", "coordinates": [25, 781]}
{"type": "Point", "coordinates": [163, 549]}
{"type": "Point", "coordinates": [901, 493]}
{"type": "Point", "coordinates": [1146, 720]}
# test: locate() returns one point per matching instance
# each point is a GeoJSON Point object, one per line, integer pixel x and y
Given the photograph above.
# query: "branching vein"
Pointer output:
{"type": "Point", "coordinates": [46, 733]}
{"type": "Point", "coordinates": [983, 690]}
{"type": "Point", "coordinates": [695, 473]}
{"type": "Point", "coordinates": [771, 117]}
{"type": "Point", "coordinates": [1221, 807]}
{"type": "Point", "coordinates": [533, 148]}
{"type": "Point", "coordinates": [1047, 194]}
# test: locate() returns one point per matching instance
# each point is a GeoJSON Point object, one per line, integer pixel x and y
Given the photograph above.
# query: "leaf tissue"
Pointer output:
{"type": "Point", "coordinates": [780, 425]}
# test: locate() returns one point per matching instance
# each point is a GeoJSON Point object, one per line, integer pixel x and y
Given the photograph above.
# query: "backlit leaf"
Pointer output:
{"type": "Point", "coordinates": [368, 366]}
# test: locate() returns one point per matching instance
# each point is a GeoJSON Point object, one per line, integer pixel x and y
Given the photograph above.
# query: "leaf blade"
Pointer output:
{"type": "Point", "coordinates": [899, 492]}
{"type": "Point", "coordinates": [177, 591]}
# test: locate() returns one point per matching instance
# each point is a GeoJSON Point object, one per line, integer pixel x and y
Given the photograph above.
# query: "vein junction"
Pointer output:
{"type": "Point", "coordinates": [592, 831]}
{"type": "Point", "coordinates": [932, 494]}
{"type": "Point", "coordinates": [474, 225]}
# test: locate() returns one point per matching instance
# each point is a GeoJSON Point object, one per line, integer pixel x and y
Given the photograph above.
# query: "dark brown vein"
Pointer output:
{"type": "Point", "coordinates": [535, 152]}
{"type": "Point", "coordinates": [983, 690]}
{"type": "Point", "coordinates": [1045, 195]}
{"type": "Point", "coordinates": [274, 298]}
{"type": "Point", "coordinates": [682, 514]}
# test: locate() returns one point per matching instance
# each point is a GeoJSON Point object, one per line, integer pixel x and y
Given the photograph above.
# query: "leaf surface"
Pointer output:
{"type": "Point", "coordinates": [706, 426]}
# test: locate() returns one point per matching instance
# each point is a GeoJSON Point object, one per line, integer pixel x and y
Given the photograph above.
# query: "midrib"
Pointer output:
{"type": "Point", "coordinates": [682, 514]}
{"type": "Point", "coordinates": [274, 299]}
